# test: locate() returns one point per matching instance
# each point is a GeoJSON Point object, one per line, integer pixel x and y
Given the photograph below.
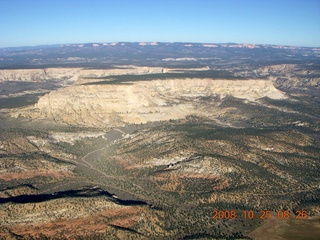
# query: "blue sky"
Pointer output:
{"type": "Point", "coordinates": [281, 22]}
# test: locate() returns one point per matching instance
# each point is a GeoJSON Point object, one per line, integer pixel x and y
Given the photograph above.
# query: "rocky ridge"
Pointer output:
{"type": "Point", "coordinates": [89, 97]}
{"type": "Point", "coordinates": [79, 74]}
{"type": "Point", "coordinates": [142, 101]}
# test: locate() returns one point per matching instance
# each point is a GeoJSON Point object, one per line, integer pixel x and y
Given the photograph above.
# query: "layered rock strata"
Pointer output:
{"type": "Point", "coordinates": [80, 74]}
{"type": "Point", "coordinates": [139, 102]}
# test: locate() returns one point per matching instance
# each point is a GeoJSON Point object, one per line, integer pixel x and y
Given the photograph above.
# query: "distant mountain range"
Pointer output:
{"type": "Point", "coordinates": [154, 53]}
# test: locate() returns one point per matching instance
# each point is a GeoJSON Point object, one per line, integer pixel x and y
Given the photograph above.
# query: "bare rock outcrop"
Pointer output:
{"type": "Point", "coordinates": [36, 75]}
{"type": "Point", "coordinates": [74, 74]}
{"type": "Point", "coordinates": [139, 102]}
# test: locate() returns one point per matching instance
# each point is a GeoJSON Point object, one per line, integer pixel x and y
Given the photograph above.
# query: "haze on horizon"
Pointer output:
{"type": "Point", "coordinates": [281, 22]}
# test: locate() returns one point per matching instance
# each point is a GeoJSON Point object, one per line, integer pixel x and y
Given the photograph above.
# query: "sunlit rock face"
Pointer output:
{"type": "Point", "coordinates": [83, 100]}
{"type": "Point", "coordinates": [143, 101]}
{"type": "Point", "coordinates": [35, 75]}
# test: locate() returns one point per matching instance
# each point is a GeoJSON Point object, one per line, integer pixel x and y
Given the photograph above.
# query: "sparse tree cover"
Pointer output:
{"type": "Point", "coordinates": [181, 162]}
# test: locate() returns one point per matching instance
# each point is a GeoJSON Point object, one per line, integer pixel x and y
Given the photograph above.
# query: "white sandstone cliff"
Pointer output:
{"type": "Point", "coordinates": [143, 101]}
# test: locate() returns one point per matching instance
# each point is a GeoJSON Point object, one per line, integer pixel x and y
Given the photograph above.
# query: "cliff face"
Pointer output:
{"type": "Point", "coordinates": [109, 103]}
{"type": "Point", "coordinates": [143, 101]}
{"type": "Point", "coordinates": [74, 74]}
{"type": "Point", "coordinates": [35, 75]}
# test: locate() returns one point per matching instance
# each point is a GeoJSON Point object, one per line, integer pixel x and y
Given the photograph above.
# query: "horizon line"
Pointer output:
{"type": "Point", "coordinates": [150, 43]}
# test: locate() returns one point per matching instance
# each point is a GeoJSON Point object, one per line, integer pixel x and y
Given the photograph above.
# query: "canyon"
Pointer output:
{"type": "Point", "coordinates": [146, 141]}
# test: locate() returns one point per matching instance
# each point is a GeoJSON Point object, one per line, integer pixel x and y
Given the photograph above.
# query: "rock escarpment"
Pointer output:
{"type": "Point", "coordinates": [35, 75]}
{"type": "Point", "coordinates": [80, 75]}
{"type": "Point", "coordinates": [103, 105]}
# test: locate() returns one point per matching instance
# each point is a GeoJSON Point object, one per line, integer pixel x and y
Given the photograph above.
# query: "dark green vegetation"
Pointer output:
{"type": "Point", "coordinates": [126, 79]}
{"type": "Point", "coordinates": [21, 101]}
{"type": "Point", "coordinates": [24, 98]}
